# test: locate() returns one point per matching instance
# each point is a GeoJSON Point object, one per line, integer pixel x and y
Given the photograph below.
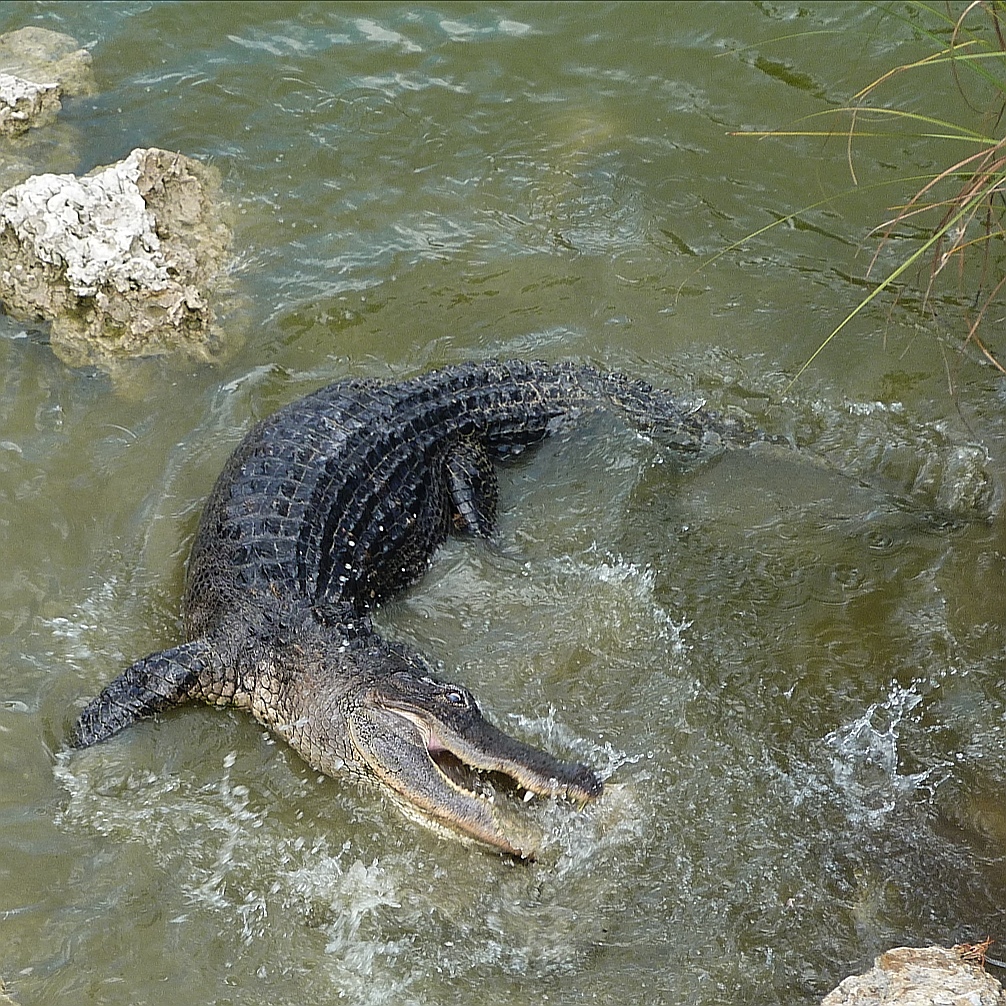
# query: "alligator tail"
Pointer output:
{"type": "Point", "coordinates": [686, 427]}
{"type": "Point", "coordinates": [151, 685]}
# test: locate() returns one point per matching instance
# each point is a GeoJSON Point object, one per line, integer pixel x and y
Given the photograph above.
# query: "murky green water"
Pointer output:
{"type": "Point", "coordinates": [790, 676]}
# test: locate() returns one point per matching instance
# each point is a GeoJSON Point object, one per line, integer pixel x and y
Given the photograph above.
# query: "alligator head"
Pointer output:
{"type": "Point", "coordinates": [427, 741]}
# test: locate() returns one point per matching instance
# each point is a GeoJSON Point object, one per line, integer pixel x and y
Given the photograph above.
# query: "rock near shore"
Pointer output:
{"type": "Point", "coordinates": [919, 976]}
{"type": "Point", "coordinates": [37, 68]}
{"type": "Point", "coordinates": [121, 261]}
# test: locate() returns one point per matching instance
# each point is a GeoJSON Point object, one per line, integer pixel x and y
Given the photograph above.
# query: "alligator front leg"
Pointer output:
{"type": "Point", "coordinates": [151, 685]}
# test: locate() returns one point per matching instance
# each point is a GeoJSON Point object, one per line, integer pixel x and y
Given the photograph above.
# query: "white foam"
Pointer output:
{"type": "Point", "coordinates": [864, 762]}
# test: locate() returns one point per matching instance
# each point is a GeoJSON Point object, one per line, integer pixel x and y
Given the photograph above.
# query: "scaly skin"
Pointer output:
{"type": "Point", "coordinates": [330, 505]}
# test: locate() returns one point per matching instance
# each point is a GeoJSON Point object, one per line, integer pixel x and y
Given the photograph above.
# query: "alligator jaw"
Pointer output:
{"type": "Point", "coordinates": [432, 762]}
{"type": "Point", "coordinates": [491, 750]}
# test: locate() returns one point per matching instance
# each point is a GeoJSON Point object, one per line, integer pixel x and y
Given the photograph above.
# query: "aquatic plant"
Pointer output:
{"type": "Point", "coordinates": [955, 216]}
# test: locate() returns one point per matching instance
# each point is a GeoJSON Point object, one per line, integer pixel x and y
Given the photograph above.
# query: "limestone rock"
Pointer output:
{"type": "Point", "coordinates": [919, 976]}
{"type": "Point", "coordinates": [24, 104]}
{"type": "Point", "coordinates": [37, 67]}
{"type": "Point", "coordinates": [41, 55]}
{"type": "Point", "coordinates": [121, 260]}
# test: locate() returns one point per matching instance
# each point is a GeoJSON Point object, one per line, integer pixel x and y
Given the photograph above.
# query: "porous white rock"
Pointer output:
{"type": "Point", "coordinates": [38, 67]}
{"type": "Point", "coordinates": [97, 226]}
{"type": "Point", "coordinates": [919, 976]}
{"type": "Point", "coordinates": [119, 260]}
{"type": "Point", "coordinates": [23, 104]}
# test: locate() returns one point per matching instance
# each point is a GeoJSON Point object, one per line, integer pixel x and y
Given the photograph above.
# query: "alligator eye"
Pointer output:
{"type": "Point", "coordinates": [455, 697]}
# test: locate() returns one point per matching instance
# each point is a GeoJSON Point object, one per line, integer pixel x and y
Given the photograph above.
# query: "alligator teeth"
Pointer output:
{"type": "Point", "coordinates": [528, 796]}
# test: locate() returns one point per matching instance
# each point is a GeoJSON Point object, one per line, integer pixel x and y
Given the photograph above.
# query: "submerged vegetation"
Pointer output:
{"type": "Point", "coordinates": [949, 229]}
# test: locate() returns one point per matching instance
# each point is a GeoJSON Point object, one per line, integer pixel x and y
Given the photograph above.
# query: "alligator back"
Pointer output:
{"type": "Point", "coordinates": [341, 498]}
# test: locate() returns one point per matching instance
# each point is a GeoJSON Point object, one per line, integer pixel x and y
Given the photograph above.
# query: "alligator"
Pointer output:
{"type": "Point", "coordinates": [335, 503]}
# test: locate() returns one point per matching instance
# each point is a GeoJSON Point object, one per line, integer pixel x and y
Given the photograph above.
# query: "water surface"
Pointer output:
{"type": "Point", "coordinates": [786, 664]}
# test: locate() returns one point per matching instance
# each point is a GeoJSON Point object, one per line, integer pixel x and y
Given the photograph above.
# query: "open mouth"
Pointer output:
{"type": "Point", "coordinates": [484, 783]}
{"type": "Point", "coordinates": [485, 760]}
{"type": "Point", "coordinates": [468, 776]}
{"type": "Point", "coordinates": [505, 772]}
